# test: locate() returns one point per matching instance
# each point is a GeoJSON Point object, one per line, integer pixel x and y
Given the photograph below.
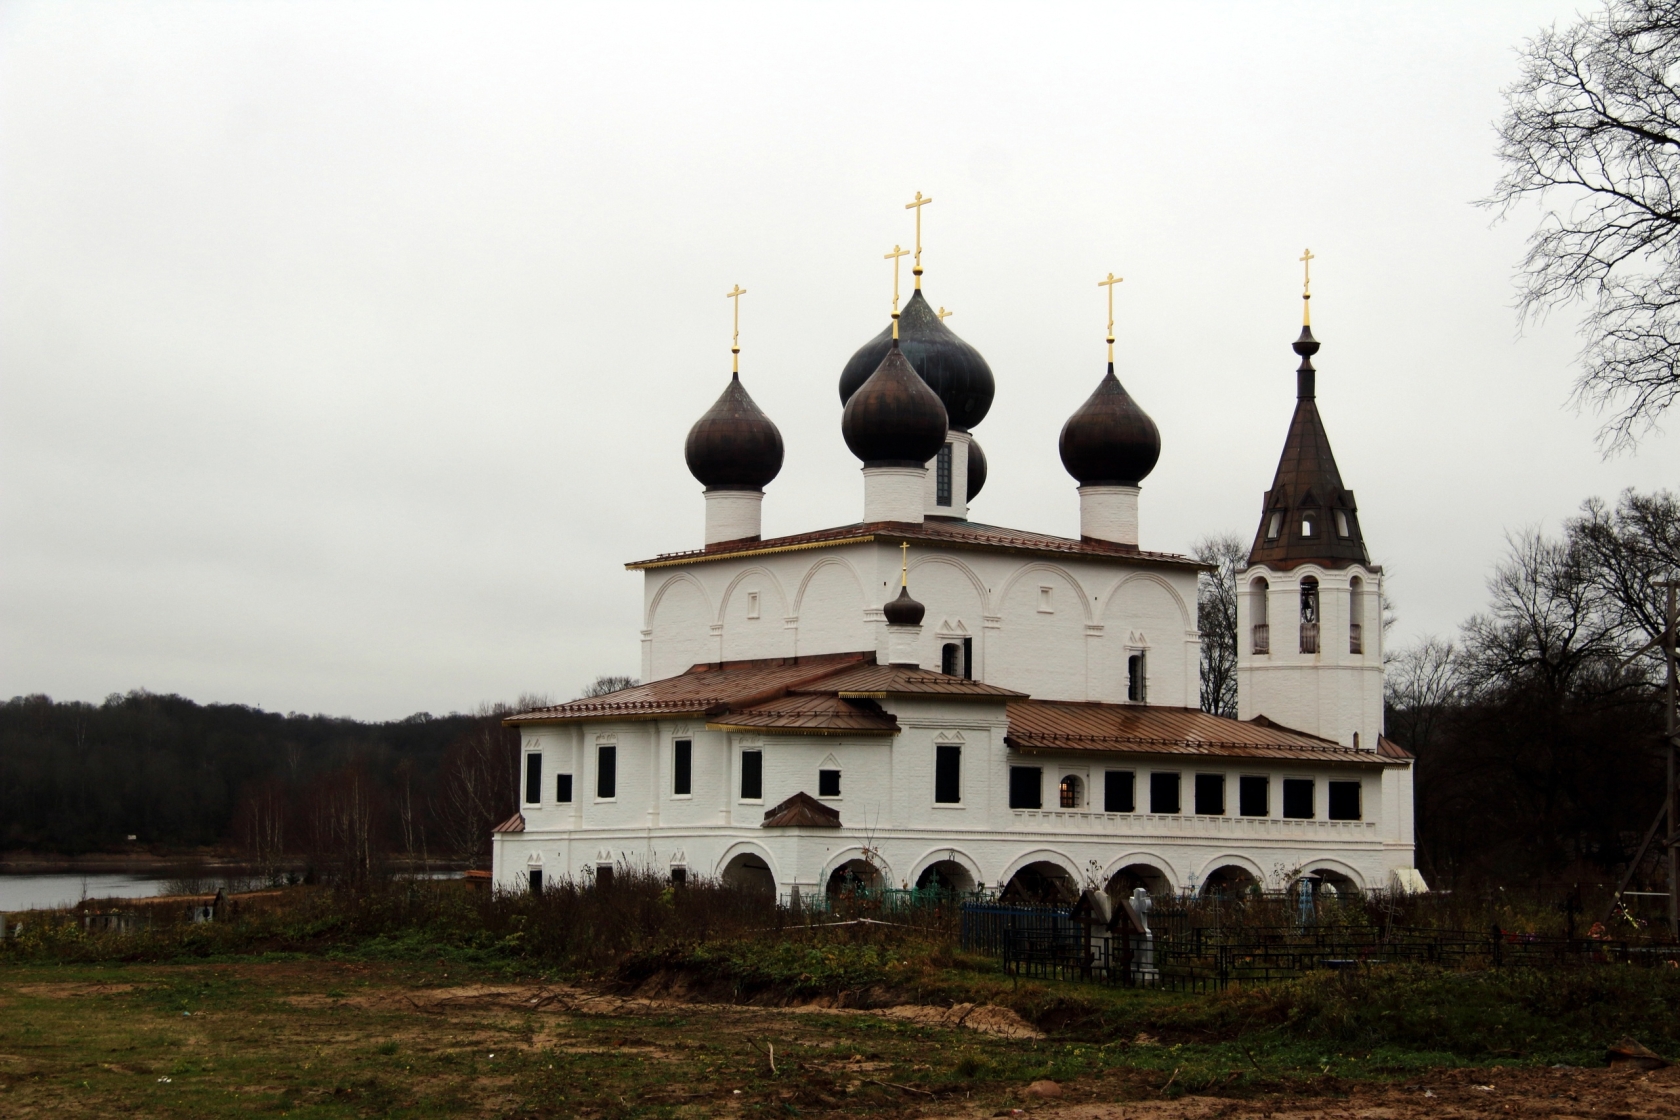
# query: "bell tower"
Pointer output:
{"type": "Point", "coordinates": [1309, 603]}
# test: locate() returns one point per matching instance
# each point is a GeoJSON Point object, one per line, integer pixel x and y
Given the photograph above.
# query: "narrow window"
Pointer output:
{"type": "Point", "coordinates": [1254, 795]}
{"type": "Point", "coordinates": [968, 658]}
{"type": "Point", "coordinates": [1071, 792]}
{"type": "Point", "coordinates": [1163, 792]}
{"type": "Point", "coordinates": [1119, 791]}
{"type": "Point", "coordinates": [604, 875]}
{"type": "Point", "coordinates": [752, 775]}
{"type": "Point", "coordinates": [606, 773]}
{"type": "Point", "coordinates": [563, 788]}
{"type": "Point", "coordinates": [1259, 591]}
{"type": "Point", "coordinates": [1026, 787]}
{"type": "Point", "coordinates": [828, 783]}
{"type": "Point", "coordinates": [1137, 678]}
{"type": "Point", "coordinates": [1307, 526]}
{"type": "Point", "coordinates": [752, 604]}
{"type": "Point", "coordinates": [950, 655]}
{"type": "Point", "coordinates": [1309, 615]}
{"type": "Point", "coordinates": [1210, 795]}
{"type": "Point", "coordinates": [679, 876]}
{"type": "Point", "coordinates": [1341, 523]}
{"type": "Point", "coordinates": [1356, 615]}
{"type": "Point", "coordinates": [1045, 605]}
{"type": "Point", "coordinates": [1344, 801]}
{"type": "Point", "coordinates": [942, 477]}
{"type": "Point", "coordinates": [682, 767]}
{"type": "Point", "coordinates": [533, 779]}
{"type": "Point", "coordinates": [1298, 798]}
{"type": "Point", "coordinates": [1274, 526]}
{"type": "Point", "coordinates": [536, 880]}
{"type": "Point", "coordinates": [947, 775]}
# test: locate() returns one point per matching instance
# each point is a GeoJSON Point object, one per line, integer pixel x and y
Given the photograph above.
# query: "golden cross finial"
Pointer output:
{"type": "Point", "coordinates": [916, 204]}
{"type": "Point", "coordinates": [1109, 284]}
{"type": "Point", "coordinates": [904, 576]}
{"type": "Point", "coordinates": [1306, 259]}
{"type": "Point", "coordinates": [944, 314]}
{"type": "Point", "coordinates": [893, 257]}
{"type": "Point", "coordinates": [735, 345]}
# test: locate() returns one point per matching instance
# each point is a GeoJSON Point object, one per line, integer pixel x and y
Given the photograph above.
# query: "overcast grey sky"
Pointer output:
{"type": "Point", "coordinates": [347, 350]}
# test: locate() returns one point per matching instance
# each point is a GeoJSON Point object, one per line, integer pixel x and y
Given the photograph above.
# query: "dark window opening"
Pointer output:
{"type": "Point", "coordinates": [606, 772]}
{"type": "Point", "coordinates": [968, 658]}
{"type": "Point", "coordinates": [942, 477]}
{"type": "Point", "coordinates": [536, 880]}
{"type": "Point", "coordinates": [1298, 798]}
{"type": "Point", "coordinates": [950, 657]}
{"type": "Point", "coordinates": [1210, 795]}
{"type": "Point", "coordinates": [604, 875]}
{"type": "Point", "coordinates": [1163, 793]}
{"type": "Point", "coordinates": [1254, 796]}
{"type": "Point", "coordinates": [533, 779]}
{"type": "Point", "coordinates": [682, 767]}
{"type": "Point", "coordinates": [947, 775]}
{"type": "Point", "coordinates": [1026, 787]}
{"type": "Point", "coordinates": [563, 788]}
{"type": "Point", "coordinates": [1344, 801]}
{"type": "Point", "coordinates": [679, 876]}
{"type": "Point", "coordinates": [1119, 791]}
{"type": "Point", "coordinates": [752, 775]}
{"type": "Point", "coordinates": [828, 783]}
{"type": "Point", "coordinates": [1137, 678]}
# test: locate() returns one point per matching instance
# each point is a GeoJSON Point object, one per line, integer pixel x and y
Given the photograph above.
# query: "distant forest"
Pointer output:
{"type": "Point", "coordinates": [1538, 730]}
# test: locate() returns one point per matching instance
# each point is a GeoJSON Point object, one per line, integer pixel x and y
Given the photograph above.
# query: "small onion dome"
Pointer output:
{"type": "Point", "coordinates": [734, 446]}
{"type": "Point", "coordinates": [1110, 441]}
{"type": "Point", "coordinates": [951, 367]}
{"type": "Point", "coordinates": [904, 611]}
{"type": "Point", "coordinates": [976, 467]}
{"type": "Point", "coordinates": [894, 419]}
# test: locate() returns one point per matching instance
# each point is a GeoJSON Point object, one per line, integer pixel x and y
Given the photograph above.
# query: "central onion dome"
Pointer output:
{"type": "Point", "coordinates": [734, 446]}
{"type": "Point", "coordinates": [894, 419]}
{"type": "Point", "coordinates": [951, 367]}
{"type": "Point", "coordinates": [904, 611]}
{"type": "Point", "coordinates": [1110, 441]}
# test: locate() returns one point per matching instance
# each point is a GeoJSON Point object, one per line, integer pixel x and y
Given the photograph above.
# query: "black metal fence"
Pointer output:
{"type": "Point", "coordinates": [1184, 952]}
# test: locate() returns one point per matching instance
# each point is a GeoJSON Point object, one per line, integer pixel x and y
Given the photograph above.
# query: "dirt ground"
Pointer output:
{"type": "Point", "coordinates": [338, 1039]}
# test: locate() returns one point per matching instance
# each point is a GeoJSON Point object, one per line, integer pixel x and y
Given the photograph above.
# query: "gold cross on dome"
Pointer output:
{"type": "Point", "coordinates": [1109, 284]}
{"type": "Point", "coordinates": [944, 314]}
{"type": "Point", "coordinates": [916, 204]}
{"type": "Point", "coordinates": [1306, 259]}
{"type": "Point", "coordinates": [904, 576]}
{"type": "Point", "coordinates": [735, 344]}
{"type": "Point", "coordinates": [893, 257]}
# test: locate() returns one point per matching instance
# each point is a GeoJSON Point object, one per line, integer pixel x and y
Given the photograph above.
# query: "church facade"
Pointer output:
{"type": "Point", "coordinates": [921, 699]}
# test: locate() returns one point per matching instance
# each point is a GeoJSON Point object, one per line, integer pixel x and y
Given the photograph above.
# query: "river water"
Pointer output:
{"type": "Point", "coordinates": [43, 892]}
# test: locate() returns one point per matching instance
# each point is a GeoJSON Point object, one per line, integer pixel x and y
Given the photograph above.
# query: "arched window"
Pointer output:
{"type": "Point", "coordinates": [1072, 792]}
{"type": "Point", "coordinates": [1274, 526]}
{"type": "Point", "coordinates": [1258, 591]}
{"type": "Point", "coordinates": [1306, 524]}
{"type": "Point", "coordinates": [1309, 615]}
{"type": "Point", "coordinates": [1356, 615]}
{"type": "Point", "coordinates": [1341, 523]}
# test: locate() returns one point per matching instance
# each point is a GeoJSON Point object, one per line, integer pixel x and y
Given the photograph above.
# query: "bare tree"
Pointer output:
{"type": "Point", "coordinates": [1591, 132]}
{"type": "Point", "coordinates": [605, 684]}
{"type": "Point", "coordinates": [477, 783]}
{"type": "Point", "coordinates": [262, 827]}
{"type": "Point", "coordinates": [1216, 617]}
{"type": "Point", "coordinates": [1632, 547]}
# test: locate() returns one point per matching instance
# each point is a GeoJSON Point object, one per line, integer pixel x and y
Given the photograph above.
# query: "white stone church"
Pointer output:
{"type": "Point", "coordinates": [987, 707]}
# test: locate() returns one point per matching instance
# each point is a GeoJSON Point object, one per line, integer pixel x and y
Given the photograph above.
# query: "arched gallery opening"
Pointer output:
{"type": "Point", "coordinates": [852, 876]}
{"type": "Point", "coordinates": [1134, 875]}
{"type": "Point", "coordinates": [946, 875]}
{"type": "Point", "coordinates": [1327, 885]}
{"type": "Point", "coordinates": [1040, 884]}
{"type": "Point", "coordinates": [1230, 882]}
{"type": "Point", "coordinates": [748, 871]}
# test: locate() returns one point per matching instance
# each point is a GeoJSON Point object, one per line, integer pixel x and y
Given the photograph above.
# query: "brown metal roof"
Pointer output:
{"type": "Point", "coordinates": [704, 688]}
{"type": "Point", "coordinates": [802, 811]}
{"type": "Point", "coordinates": [515, 823]}
{"type": "Point", "coordinates": [957, 534]}
{"type": "Point", "coordinates": [1388, 748]}
{"type": "Point", "coordinates": [872, 680]}
{"type": "Point", "coordinates": [810, 714]}
{"type": "Point", "coordinates": [1152, 729]}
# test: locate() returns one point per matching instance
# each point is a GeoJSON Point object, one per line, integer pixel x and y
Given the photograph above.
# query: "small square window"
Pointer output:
{"type": "Point", "coordinates": [1163, 792]}
{"type": "Point", "coordinates": [563, 788]}
{"type": "Point", "coordinates": [1344, 801]}
{"type": "Point", "coordinates": [1254, 796]}
{"type": "Point", "coordinates": [679, 876]}
{"type": "Point", "coordinates": [1210, 795]}
{"type": "Point", "coordinates": [1026, 787]}
{"type": "Point", "coordinates": [1298, 798]}
{"type": "Point", "coordinates": [1119, 791]}
{"type": "Point", "coordinates": [828, 783]}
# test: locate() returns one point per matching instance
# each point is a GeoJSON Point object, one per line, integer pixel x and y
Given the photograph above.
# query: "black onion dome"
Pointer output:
{"type": "Point", "coordinates": [734, 446]}
{"type": "Point", "coordinates": [976, 467]}
{"type": "Point", "coordinates": [951, 367]}
{"type": "Point", "coordinates": [894, 419]}
{"type": "Point", "coordinates": [904, 611]}
{"type": "Point", "coordinates": [1110, 441]}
